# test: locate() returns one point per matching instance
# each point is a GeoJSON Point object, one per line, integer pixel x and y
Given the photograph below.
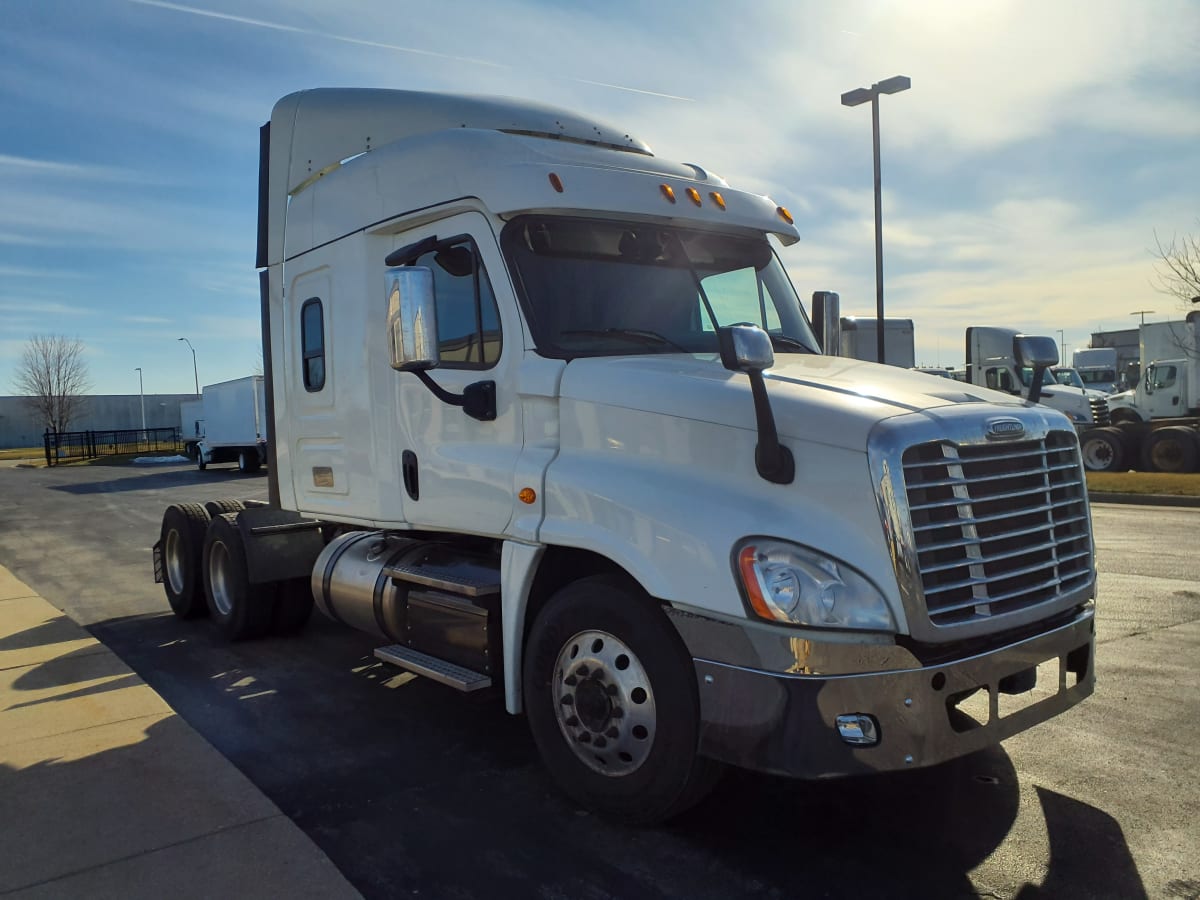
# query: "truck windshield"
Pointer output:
{"type": "Point", "coordinates": [600, 288]}
{"type": "Point", "coordinates": [1069, 377]}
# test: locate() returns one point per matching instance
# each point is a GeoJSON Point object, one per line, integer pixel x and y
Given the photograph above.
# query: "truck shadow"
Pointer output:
{"type": "Point", "coordinates": [150, 481]}
{"type": "Point", "coordinates": [392, 776]}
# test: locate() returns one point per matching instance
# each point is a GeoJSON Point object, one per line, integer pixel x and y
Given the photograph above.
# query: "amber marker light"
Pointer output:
{"type": "Point", "coordinates": [717, 199]}
{"type": "Point", "coordinates": [746, 561]}
{"type": "Point", "coordinates": [785, 215]}
{"type": "Point", "coordinates": [527, 495]}
{"type": "Point", "coordinates": [694, 195]}
{"type": "Point", "coordinates": [667, 191]}
{"type": "Point", "coordinates": [556, 182]}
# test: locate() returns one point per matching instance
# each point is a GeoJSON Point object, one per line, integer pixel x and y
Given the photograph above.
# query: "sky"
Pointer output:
{"type": "Point", "coordinates": [1026, 173]}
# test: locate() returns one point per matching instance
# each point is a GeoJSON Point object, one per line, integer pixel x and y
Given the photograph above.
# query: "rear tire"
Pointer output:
{"type": "Point", "coordinates": [610, 694]}
{"type": "Point", "coordinates": [181, 545]}
{"type": "Point", "coordinates": [241, 610]}
{"type": "Point", "coordinates": [220, 507]}
{"type": "Point", "coordinates": [248, 461]}
{"type": "Point", "coordinates": [1171, 449]}
{"type": "Point", "coordinates": [1103, 449]}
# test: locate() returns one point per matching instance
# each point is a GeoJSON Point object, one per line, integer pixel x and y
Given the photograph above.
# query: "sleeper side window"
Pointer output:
{"type": "Point", "coordinates": [467, 317]}
{"type": "Point", "coordinates": [312, 344]}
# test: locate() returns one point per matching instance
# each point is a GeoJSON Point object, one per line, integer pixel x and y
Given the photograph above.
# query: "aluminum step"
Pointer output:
{"type": "Point", "coordinates": [439, 670]}
{"type": "Point", "coordinates": [444, 578]}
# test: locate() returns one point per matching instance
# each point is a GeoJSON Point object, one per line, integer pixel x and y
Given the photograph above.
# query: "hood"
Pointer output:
{"type": "Point", "coordinates": [827, 399]}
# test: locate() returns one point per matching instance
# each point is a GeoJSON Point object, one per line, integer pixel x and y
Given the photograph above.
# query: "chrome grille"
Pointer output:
{"type": "Point", "coordinates": [1100, 414]}
{"type": "Point", "coordinates": [998, 527]}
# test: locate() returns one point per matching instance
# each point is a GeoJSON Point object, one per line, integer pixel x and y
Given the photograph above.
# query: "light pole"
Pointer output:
{"type": "Point", "coordinates": [142, 397]}
{"type": "Point", "coordinates": [893, 85]}
{"type": "Point", "coordinates": [1062, 348]}
{"type": "Point", "coordinates": [195, 371]}
{"type": "Point", "coordinates": [1142, 313]}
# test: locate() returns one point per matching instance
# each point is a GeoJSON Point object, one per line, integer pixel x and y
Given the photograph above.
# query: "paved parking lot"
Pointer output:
{"type": "Point", "coordinates": [413, 789]}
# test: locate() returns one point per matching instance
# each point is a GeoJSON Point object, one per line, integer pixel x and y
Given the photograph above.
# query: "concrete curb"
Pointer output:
{"type": "Point", "coordinates": [109, 793]}
{"type": "Point", "coordinates": [1143, 499]}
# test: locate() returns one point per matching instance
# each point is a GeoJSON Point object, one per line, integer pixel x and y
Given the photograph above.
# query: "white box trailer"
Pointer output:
{"type": "Point", "coordinates": [235, 424]}
{"type": "Point", "coordinates": [859, 340]}
{"type": "Point", "coordinates": [550, 421]}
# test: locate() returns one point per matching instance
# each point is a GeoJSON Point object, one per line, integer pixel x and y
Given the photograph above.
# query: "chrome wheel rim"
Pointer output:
{"type": "Point", "coordinates": [218, 578]}
{"type": "Point", "coordinates": [604, 703]}
{"type": "Point", "coordinates": [176, 562]}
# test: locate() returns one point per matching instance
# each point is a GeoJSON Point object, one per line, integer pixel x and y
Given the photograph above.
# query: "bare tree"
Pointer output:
{"type": "Point", "coordinates": [1177, 271]}
{"type": "Point", "coordinates": [53, 376]}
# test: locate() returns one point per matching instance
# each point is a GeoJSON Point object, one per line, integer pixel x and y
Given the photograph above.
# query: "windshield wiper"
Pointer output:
{"type": "Point", "coordinates": [638, 335]}
{"type": "Point", "coordinates": [784, 342]}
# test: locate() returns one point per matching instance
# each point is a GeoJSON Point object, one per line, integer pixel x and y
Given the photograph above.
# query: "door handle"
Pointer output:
{"type": "Point", "coordinates": [408, 468]}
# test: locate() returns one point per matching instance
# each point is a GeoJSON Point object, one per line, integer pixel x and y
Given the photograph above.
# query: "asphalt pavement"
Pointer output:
{"type": "Point", "coordinates": [408, 788]}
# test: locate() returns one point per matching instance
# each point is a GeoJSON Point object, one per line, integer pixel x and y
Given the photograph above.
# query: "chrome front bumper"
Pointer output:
{"type": "Point", "coordinates": [787, 724]}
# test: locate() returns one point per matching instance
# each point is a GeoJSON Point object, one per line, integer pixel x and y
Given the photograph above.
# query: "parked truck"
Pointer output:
{"type": "Point", "coordinates": [1097, 368]}
{"type": "Point", "coordinates": [191, 425]}
{"type": "Point", "coordinates": [233, 419]}
{"type": "Point", "coordinates": [1156, 425]}
{"type": "Point", "coordinates": [549, 420]}
{"type": "Point", "coordinates": [992, 362]}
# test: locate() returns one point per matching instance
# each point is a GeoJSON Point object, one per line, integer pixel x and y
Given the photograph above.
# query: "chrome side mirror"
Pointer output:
{"type": "Point", "coordinates": [411, 319]}
{"type": "Point", "coordinates": [745, 348]}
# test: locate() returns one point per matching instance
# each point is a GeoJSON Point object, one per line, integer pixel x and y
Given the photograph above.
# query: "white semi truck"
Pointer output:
{"type": "Point", "coordinates": [992, 362]}
{"type": "Point", "coordinates": [1097, 367]}
{"type": "Point", "coordinates": [549, 420]}
{"type": "Point", "coordinates": [1156, 425]}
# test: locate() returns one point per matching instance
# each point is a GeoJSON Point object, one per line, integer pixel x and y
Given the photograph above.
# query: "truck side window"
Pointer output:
{"type": "Point", "coordinates": [739, 295]}
{"type": "Point", "coordinates": [999, 379]}
{"type": "Point", "coordinates": [1164, 377]}
{"type": "Point", "coordinates": [312, 344]}
{"type": "Point", "coordinates": [468, 320]}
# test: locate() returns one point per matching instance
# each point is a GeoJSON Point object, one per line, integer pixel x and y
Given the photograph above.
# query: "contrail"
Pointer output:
{"type": "Point", "coordinates": [293, 29]}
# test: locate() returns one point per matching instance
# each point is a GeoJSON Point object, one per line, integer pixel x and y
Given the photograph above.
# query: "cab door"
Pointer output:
{"type": "Point", "coordinates": [457, 472]}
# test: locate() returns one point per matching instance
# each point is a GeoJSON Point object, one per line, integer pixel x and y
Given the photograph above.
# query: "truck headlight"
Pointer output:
{"type": "Point", "coordinates": [785, 582]}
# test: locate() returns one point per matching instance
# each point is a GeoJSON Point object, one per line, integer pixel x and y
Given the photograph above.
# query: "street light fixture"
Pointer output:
{"type": "Point", "coordinates": [195, 371]}
{"type": "Point", "coordinates": [856, 97]}
{"type": "Point", "coordinates": [142, 397]}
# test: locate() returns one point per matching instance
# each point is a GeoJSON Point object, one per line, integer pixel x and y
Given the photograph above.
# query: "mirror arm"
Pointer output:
{"type": "Point", "coordinates": [478, 400]}
{"type": "Point", "coordinates": [774, 461]}
{"type": "Point", "coordinates": [1035, 386]}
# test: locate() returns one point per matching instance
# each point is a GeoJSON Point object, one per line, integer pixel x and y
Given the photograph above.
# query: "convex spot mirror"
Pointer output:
{"type": "Point", "coordinates": [745, 348]}
{"type": "Point", "coordinates": [1035, 351]}
{"type": "Point", "coordinates": [411, 319]}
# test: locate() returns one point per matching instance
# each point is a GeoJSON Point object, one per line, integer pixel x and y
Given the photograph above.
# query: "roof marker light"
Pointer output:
{"type": "Point", "coordinates": [785, 215]}
{"type": "Point", "coordinates": [694, 195]}
{"type": "Point", "coordinates": [556, 182]}
{"type": "Point", "coordinates": [667, 191]}
{"type": "Point", "coordinates": [717, 199]}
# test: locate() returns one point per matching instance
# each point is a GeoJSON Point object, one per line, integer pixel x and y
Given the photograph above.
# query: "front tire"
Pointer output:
{"type": "Point", "coordinates": [241, 610]}
{"type": "Point", "coordinates": [1103, 449]}
{"type": "Point", "coordinates": [610, 694]}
